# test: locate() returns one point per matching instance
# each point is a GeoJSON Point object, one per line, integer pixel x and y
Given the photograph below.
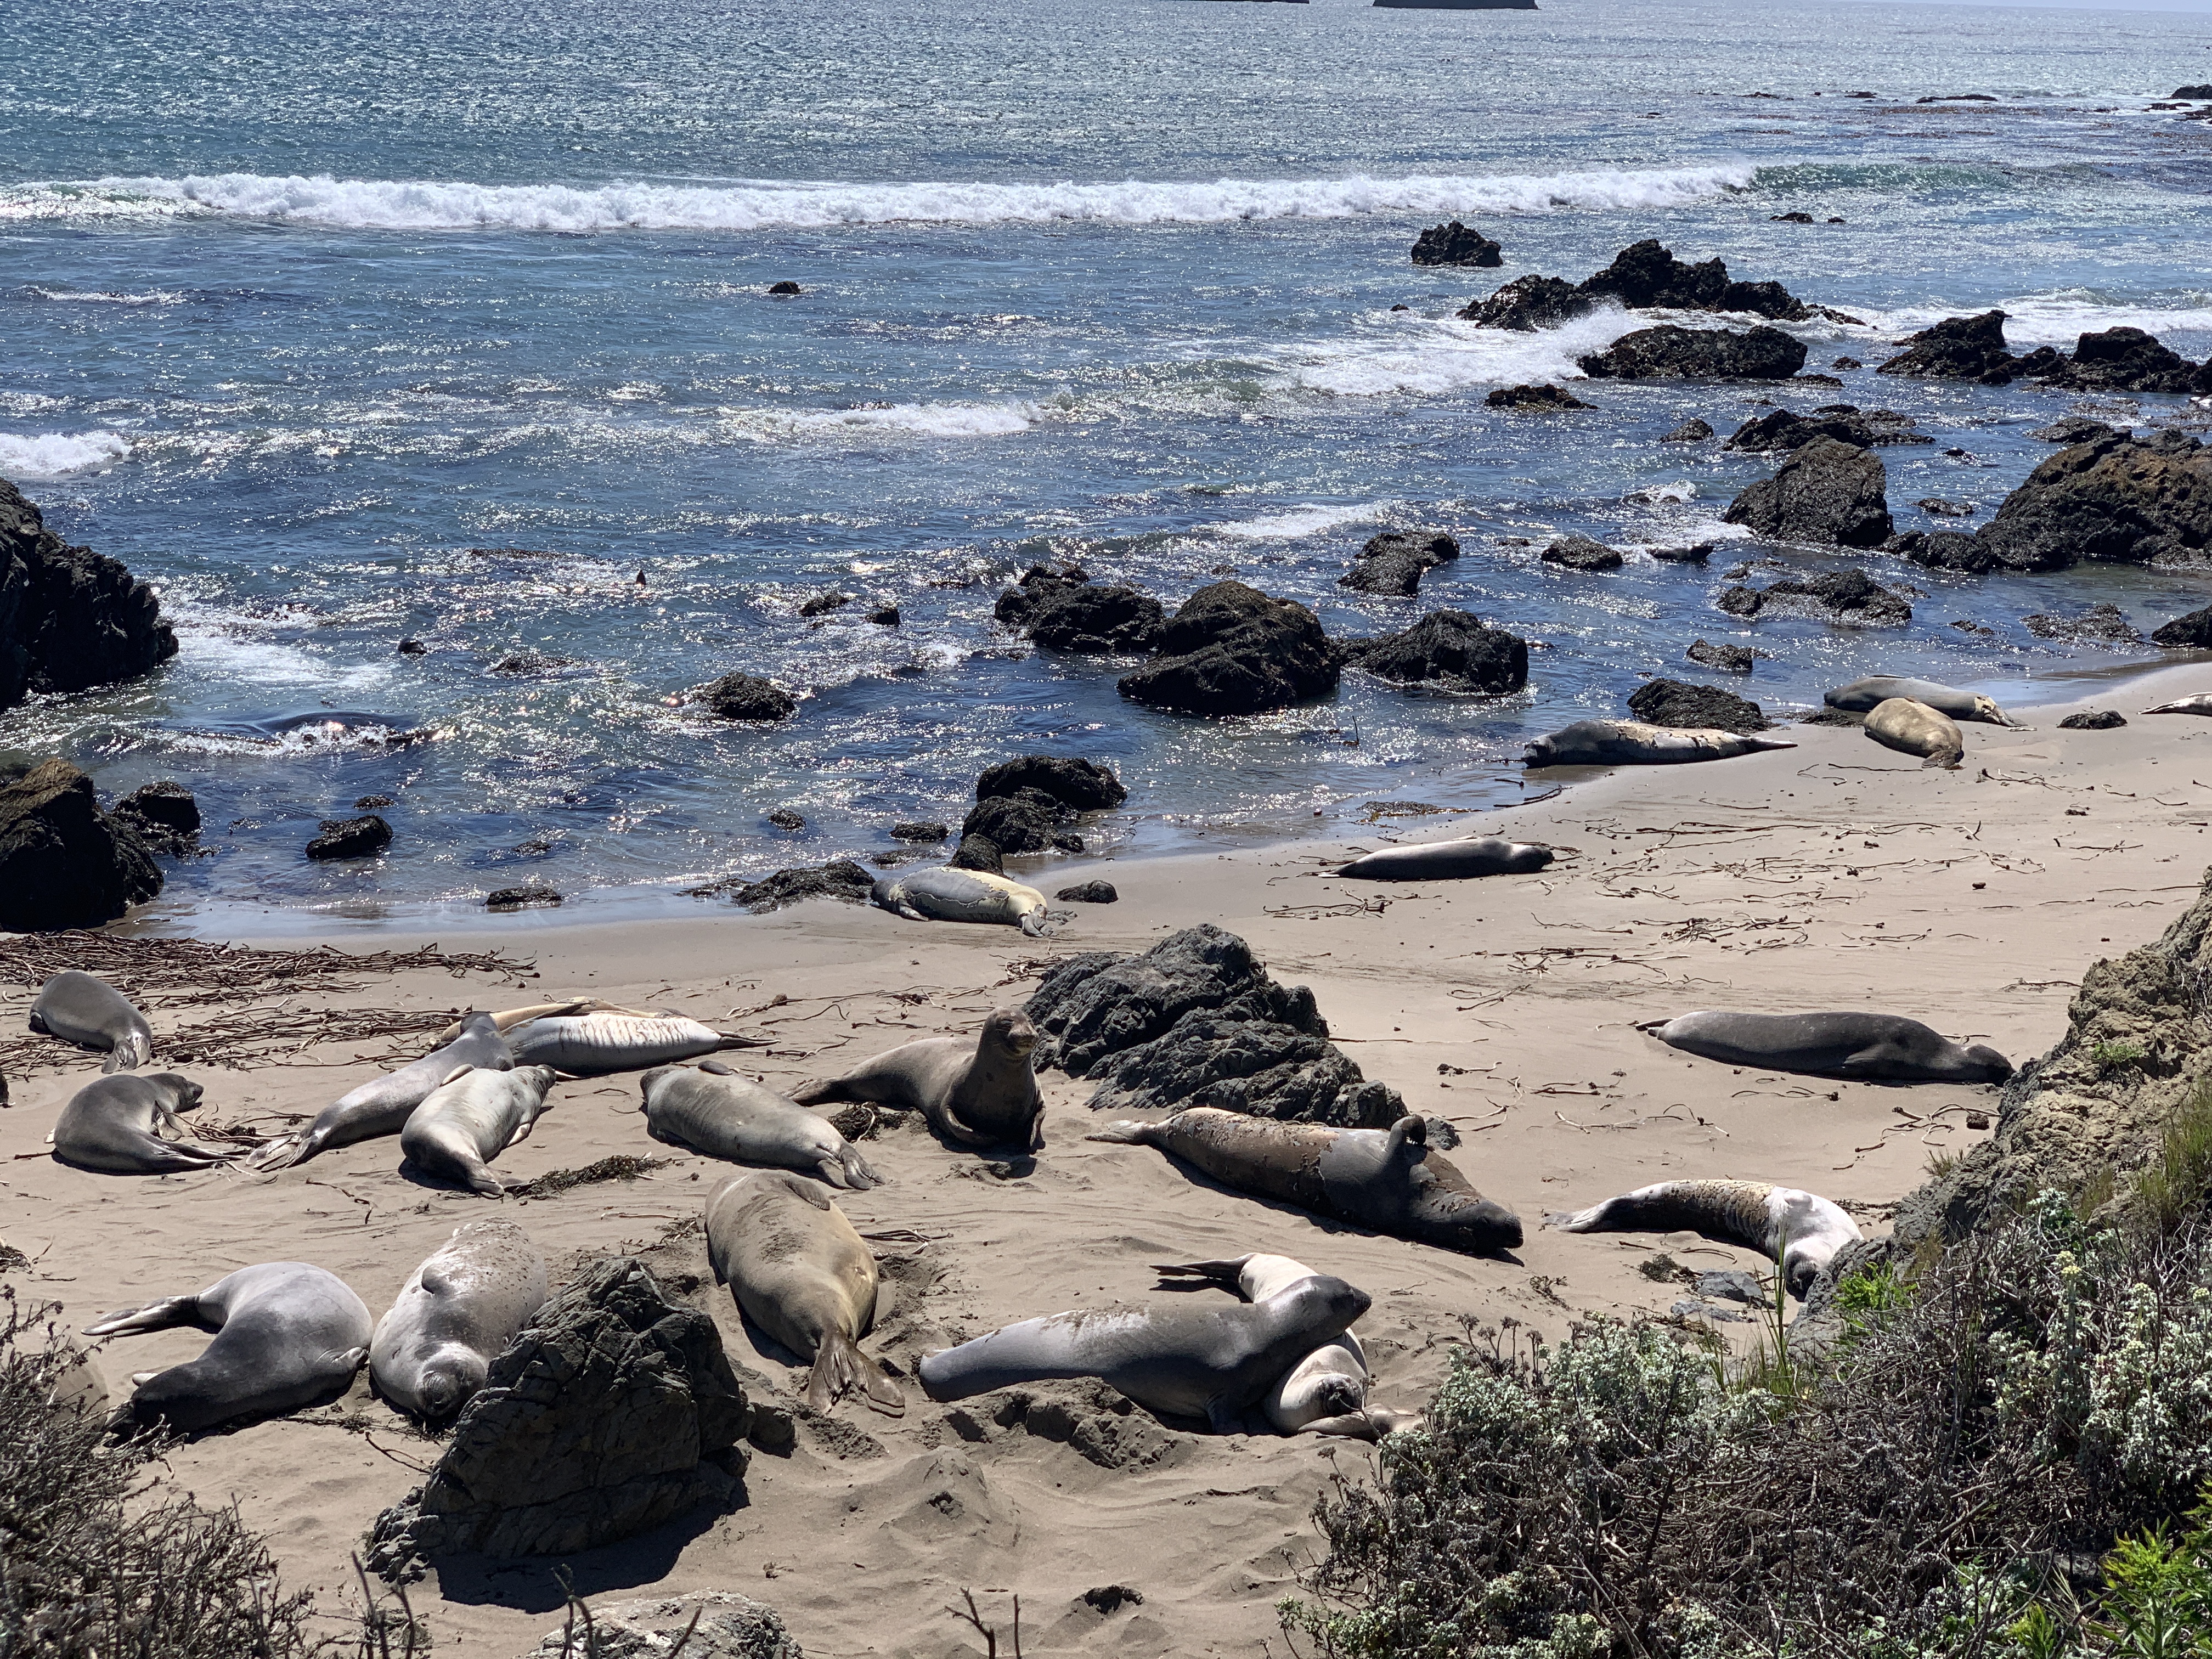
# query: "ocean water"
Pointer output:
{"type": "Point", "coordinates": [345, 325]}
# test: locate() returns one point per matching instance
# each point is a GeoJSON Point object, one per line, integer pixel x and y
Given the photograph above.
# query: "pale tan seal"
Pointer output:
{"type": "Point", "coordinates": [948, 895]}
{"type": "Point", "coordinates": [1914, 728]}
{"type": "Point", "coordinates": [978, 1091]}
{"type": "Point", "coordinates": [470, 1119]}
{"type": "Point", "coordinates": [1862, 695]}
{"type": "Point", "coordinates": [715, 1111]}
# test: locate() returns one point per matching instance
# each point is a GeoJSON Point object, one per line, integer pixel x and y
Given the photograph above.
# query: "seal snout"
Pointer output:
{"type": "Point", "coordinates": [1995, 1066]}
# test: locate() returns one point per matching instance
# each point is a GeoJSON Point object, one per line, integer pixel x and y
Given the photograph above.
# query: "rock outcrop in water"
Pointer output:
{"type": "Point", "coordinates": [1581, 553]}
{"type": "Point", "coordinates": [1645, 276]}
{"type": "Point", "coordinates": [2109, 359]}
{"type": "Point", "coordinates": [1081, 785]}
{"type": "Point", "coordinates": [746, 697]}
{"type": "Point", "coordinates": [69, 618]}
{"type": "Point", "coordinates": [1451, 650]}
{"type": "Point", "coordinates": [1779, 429]}
{"type": "Point", "coordinates": [1826, 492]}
{"type": "Point", "coordinates": [1544, 399]}
{"type": "Point", "coordinates": [64, 862]}
{"type": "Point", "coordinates": [2129, 360]}
{"type": "Point", "coordinates": [2190, 633]}
{"type": "Point", "coordinates": [1393, 563]}
{"type": "Point", "coordinates": [1095, 618]}
{"type": "Point", "coordinates": [2114, 499]}
{"type": "Point", "coordinates": [1233, 650]}
{"type": "Point", "coordinates": [1678, 703]}
{"type": "Point", "coordinates": [1454, 245]}
{"type": "Point", "coordinates": [1672, 353]}
{"type": "Point", "coordinates": [1849, 598]}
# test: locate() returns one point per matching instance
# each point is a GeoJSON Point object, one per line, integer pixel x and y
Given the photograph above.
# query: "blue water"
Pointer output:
{"type": "Point", "coordinates": [300, 304]}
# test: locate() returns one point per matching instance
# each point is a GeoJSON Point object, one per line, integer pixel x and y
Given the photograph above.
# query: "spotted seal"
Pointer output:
{"type": "Point", "coordinates": [1631, 743]}
{"type": "Point", "coordinates": [382, 1107]}
{"type": "Point", "coordinates": [1801, 1229]}
{"type": "Point", "coordinates": [1450, 860]}
{"type": "Point", "coordinates": [1914, 728]}
{"type": "Point", "coordinates": [1887, 1048]}
{"type": "Point", "coordinates": [1863, 695]}
{"type": "Point", "coordinates": [713, 1110]}
{"type": "Point", "coordinates": [945, 894]}
{"type": "Point", "coordinates": [454, 1314]}
{"type": "Point", "coordinates": [86, 1010]}
{"type": "Point", "coordinates": [470, 1119]}
{"type": "Point", "coordinates": [978, 1091]}
{"type": "Point", "coordinates": [108, 1126]}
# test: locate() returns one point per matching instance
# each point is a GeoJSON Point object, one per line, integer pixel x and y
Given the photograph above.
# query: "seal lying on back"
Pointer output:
{"type": "Point", "coordinates": [108, 1126]}
{"type": "Point", "coordinates": [1631, 743]}
{"type": "Point", "coordinates": [610, 1040]}
{"type": "Point", "coordinates": [2199, 704]}
{"type": "Point", "coordinates": [1861, 696]}
{"type": "Point", "coordinates": [1216, 1363]}
{"type": "Point", "coordinates": [453, 1315]}
{"type": "Point", "coordinates": [979, 1092]}
{"type": "Point", "coordinates": [1883, 1047]}
{"type": "Point", "coordinates": [470, 1119]}
{"type": "Point", "coordinates": [950, 894]}
{"type": "Point", "coordinates": [1798, 1229]}
{"type": "Point", "coordinates": [506, 1020]}
{"type": "Point", "coordinates": [286, 1335]}
{"type": "Point", "coordinates": [1450, 861]}
{"type": "Point", "coordinates": [382, 1107]}
{"type": "Point", "coordinates": [713, 1111]}
{"type": "Point", "coordinates": [84, 1009]}
{"type": "Point", "coordinates": [1386, 1179]}
{"type": "Point", "coordinates": [803, 1275]}
{"type": "Point", "coordinates": [1914, 728]}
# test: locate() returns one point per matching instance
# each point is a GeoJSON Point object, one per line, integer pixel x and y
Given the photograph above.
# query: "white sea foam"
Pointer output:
{"type": "Point", "coordinates": [68, 296]}
{"type": "Point", "coordinates": [933, 420]}
{"type": "Point", "coordinates": [753, 204]}
{"type": "Point", "coordinates": [2057, 319]}
{"type": "Point", "coordinates": [1308, 519]}
{"type": "Point", "coordinates": [1444, 356]}
{"type": "Point", "coordinates": [60, 454]}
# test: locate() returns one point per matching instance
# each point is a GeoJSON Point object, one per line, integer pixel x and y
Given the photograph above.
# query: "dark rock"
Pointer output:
{"type": "Point", "coordinates": [1671, 352]}
{"type": "Point", "coordinates": [518, 898]}
{"type": "Point", "coordinates": [615, 1410]}
{"type": "Point", "coordinates": [1023, 822]}
{"type": "Point", "coordinates": [1089, 892]}
{"type": "Point", "coordinates": [978, 853]}
{"type": "Point", "coordinates": [370, 803]}
{"type": "Point", "coordinates": [2094, 719]}
{"type": "Point", "coordinates": [1958, 98]}
{"type": "Point", "coordinates": [1081, 785]}
{"type": "Point", "coordinates": [1249, 1066]}
{"type": "Point", "coordinates": [412, 648]}
{"type": "Point", "coordinates": [1727, 658]}
{"type": "Point", "coordinates": [1112, 1598]}
{"type": "Point", "coordinates": [64, 863]}
{"type": "Point", "coordinates": [1535, 400]}
{"type": "Point", "coordinates": [784, 818]}
{"type": "Point", "coordinates": [2190, 633]}
{"type": "Point", "coordinates": [1832, 717]}
{"type": "Point", "coordinates": [529, 662]}
{"type": "Point", "coordinates": [1936, 506]}
{"type": "Point", "coordinates": [1779, 429]}
{"type": "Point", "coordinates": [1692, 431]}
{"type": "Point", "coordinates": [1695, 553]}
{"type": "Point", "coordinates": [1647, 275]}
{"type": "Point", "coordinates": [1846, 363]}
{"type": "Point", "coordinates": [166, 816]}
{"type": "Point", "coordinates": [1080, 617]}
{"type": "Point", "coordinates": [1678, 703]}
{"type": "Point", "coordinates": [1827, 492]}
{"type": "Point", "coordinates": [821, 604]}
{"type": "Point", "coordinates": [2075, 430]}
{"type": "Point", "coordinates": [1581, 553]}
{"type": "Point", "coordinates": [1016, 604]}
{"type": "Point", "coordinates": [1450, 648]}
{"type": "Point", "coordinates": [919, 831]}
{"type": "Point", "coordinates": [1840, 596]}
{"type": "Point", "coordinates": [1957, 348]}
{"type": "Point", "coordinates": [2124, 359]}
{"type": "Point", "coordinates": [1393, 563]}
{"type": "Point", "coordinates": [2201, 91]}
{"type": "Point", "coordinates": [69, 618]}
{"type": "Point", "coordinates": [2111, 499]}
{"type": "Point", "coordinates": [1232, 650]}
{"type": "Point", "coordinates": [1944, 549]}
{"type": "Point", "coordinates": [1734, 1284]}
{"type": "Point", "coordinates": [886, 616]}
{"type": "Point", "coordinates": [2100, 624]}
{"type": "Point", "coordinates": [1798, 217]}
{"type": "Point", "coordinates": [706, 1623]}
{"type": "Point", "coordinates": [840, 879]}
{"type": "Point", "coordinates": [1527, 303]}
{"type": "Point", "coordinates": [785, 288]}
{"type": "Point", "coordinates": [746, 697]}
{"type": "Point", "coordinates": [351, 838]}
{"type": "Point", "coordinates": [1454, 245]}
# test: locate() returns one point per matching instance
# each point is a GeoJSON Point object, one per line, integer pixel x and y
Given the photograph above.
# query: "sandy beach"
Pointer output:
{"type": "Point", "coordinates": [1835, 874]}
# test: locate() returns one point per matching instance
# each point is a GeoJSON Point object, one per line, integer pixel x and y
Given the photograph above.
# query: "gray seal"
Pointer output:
{"type": "Point", "coordinates": [1800, 1230]}
{"type": "Point", "coordinates": [382, 1107]}
{"type": "Point", "coordinates": [1385, 1179]}
{"type": "Point", "coordinates": [802, 1275]}
{"type": "Point", "coordinates": [456, 1312]}
{"type": "Point", "coordinates": [1631, 743]}
{"type": "Point", "coordinates": [611, 1039]}
{"type": "Point", "coordinates": [108, 1126]}
{"type": "Point", "coordinates": [2199, 704]}
{"type": "Point", "coordinates": [470, 1119]}
{"type": "Point", "coordinates": [286, 1335]}
{"type": "Point", "coordinates": [1887, 1048]}
{"type": "Point", "coordinates": [1914, 728]}
{"type": "Point", "coordinates": [86, 1010]}
{"type": "Point", "coordinates": [1861, 696]}
{"type": "Point", "coordinates": [1215, 1362]}
{"type": "Point", "coordinates": [1450, 860]}
{"type": "Point", "coordinates": [715, 1112]}
{"type": "Point", "coordinates": [978, 1091]}
{"type": "Point", "coordinates": [948, 895]}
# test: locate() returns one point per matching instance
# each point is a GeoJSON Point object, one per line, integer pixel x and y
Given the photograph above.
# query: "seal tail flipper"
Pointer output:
{"type": "Point", "coordinates": [1652, 1024]}
{"type": "Point", "coordinates": [858, 1172]}
{"type": "Point", "coordinates": [832, 1170]}
{"type": "Point", "coordinates": [821, 1091]}
{"type": "Point", "coordinates": [841, 1367]}
{"type": "Point", "coordinates": [281, 1153]}
{"type": "Point", "coordinates": [1215, 1272]}
{"type": "Point", "coordinates": [169, 1312]}
{"type": "Point", "coordinates": [1577, 1221]}
{"type": "Point", "coordinates": [1123, 1132]}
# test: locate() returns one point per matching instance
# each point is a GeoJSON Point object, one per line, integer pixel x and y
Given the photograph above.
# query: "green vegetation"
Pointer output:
{"type": "Point", "coordinates": [2111, 1056]}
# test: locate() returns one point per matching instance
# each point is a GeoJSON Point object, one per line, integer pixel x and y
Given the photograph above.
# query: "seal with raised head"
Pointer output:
{"type": "Point", "coordinates": [978, 1091]}
{"type": "Point", "coordinates": [611, 1039]}
{"type": "Point", "coordinates": [1883, 1047]}
{"type": "Point", "coordinates": [2199, 704]}
{"type": "Point", "coordinates": [715, 1111]}
{"type": "Point", "coordinates": [1801, 1229]}
{"type": "Point", "coordinates": [382, 1107]}
{"type": "Point", "coordinates": [945, 894]}
{"type": "Point", "coordinates": [1862, 695]}
{"type": "Point", "coordinates": [454, 1314]}
{"type": "Point", "coordinates": [1215, 1362]}
{"type": "Point", "coordinates": [1631, 743]}
{"type": "Point", "coordinates": [802, 1275]}
{"type": "Point", "coordinates": [1450, 860]}
{"type": "Point", "coordinates": [472, 1118]}
{"type": "Point", "coordinates": [286, 1335]}
{"type": "Point", "coordinates": [1914, 728]}
{"type": "Point", "coordinates": [108, 1125]}
{"type": "Point", "coordinates": [1385, 1179]}
{"type": "Point", "coordinates": [86, 1010]}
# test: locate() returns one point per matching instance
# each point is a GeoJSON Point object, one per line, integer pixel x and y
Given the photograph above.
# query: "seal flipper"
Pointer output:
{"type": "Point", "coordinates": [712, 1067]}
{"type": "Point", "coordinates": [822, 1091]}
{"type": "Point", "coordinates": [860, 1174]}
{"type": "Point", "coordinates": [833, 1171]}
{"type": "Point", "coordinates": [165, 1314]}
{"type": "Point", "coordinates": [1124, 1132]}
{"type": "Point", "coordinates": [38, 1024]}
{"type": "Point", "coordinates": [1227, 1274]}
{"type": "Point", "coordinates": [840, 1367]}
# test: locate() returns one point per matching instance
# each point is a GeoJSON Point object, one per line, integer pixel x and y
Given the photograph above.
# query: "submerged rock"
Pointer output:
{"type": "Point", "coordinates": [2104, 624]}
{"type": "Point", "coordinates": [1671, 352]}
{"type": "Point", "coordinates": [921, 831]}
{"type": "Point", "coordinates": [521, 898]}
{"type": "Point", "coordinates": [1233, 650]}
{"type": "Point", "coordinates": [1451, 649]}
{"type": "Point", "coordinates": [1826, 492]}
{"type": "Point", "coordinates": [1692, 431]}
{"type": "Point", "coordinates": [1454, 245]}
{"type": "Point", "coordinates": [2075, 429]}
{"type": "Point", "coordinates": [1848, 597]}
{"type": "Point", "coordinates": [746, 697]}
{"type": "Point", "coordinates": [1393, 563]}
{"type": "Point", "coordinates": [1727, 658]}
{"type": "Point", "coordinates": [64, 862]}
{"type": "Point", "coordinates": [351, 838]}
{"type": "Point", "coordinates": [1779, 429]}
{"type": "Point", "coordinates": [69, 618]}
{"type": "Point", "coordinates": [822, 604]}
{"type": "Point", "coordinates": [1678, 703]}
{"type": "Point", "coordinates": [1943, 550]}
{"type": "Point", "coordinates": [1581, 553]}
{"type": "Point", "coordinates": [2190, 633]}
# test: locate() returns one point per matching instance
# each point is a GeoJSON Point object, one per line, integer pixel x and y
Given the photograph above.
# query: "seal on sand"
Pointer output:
{"type": "Point", "coordinates": [286, 1335]}
{"type": "Point", "coordinates": [506, 1020]}
{"type": "Point", "coordinates": [1385, 1179]}
{"type": "Point", "coordinates": [472, 1118]}
{"type": "Point", "coordinates": [979, 1091]}
{"type": "Point", "coordinates": [803, 1275]}
{"type": "Point", "coordinates": [2199, 704]}
{"type": "Point", "coordinates": [84, 1009]}
{"type": "Point", "coordinates": [1216, 1363]}
{"type": "Point", "coordinates": [1631, 743]}
{"type": "Point", "coordinates": [1914, 728]}
{"type": "Point", "coordinates": [454, 1313]}
{"type": "Point", "coordinates": [612, 1039]}
{"type": "Point", "coordinates": [382, 1107]}
{"type": "Point", "coordinates": [1450, 860]}
{"type": "Point", "coordinates": [1801, 1229]}
{"type": "Point", "coordinates": [1862, 696]}
{"type": "Point", "coordinates": [713, 1111]}
{"type": "Point", "coordinates": [948, 895]}
{"type": "Point", "coordinates": [1882, 1047]}
{"type": "Point", "coordinates": [108, 1126]}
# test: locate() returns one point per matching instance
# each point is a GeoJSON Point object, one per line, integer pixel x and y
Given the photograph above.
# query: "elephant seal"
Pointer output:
{"type": "Point", "coordinates": [472, 1118]}
{"type": "Point", "coordinates": [454, 1315]}
{"type": "Point", "coordinates": [1216, 1363]}
{"type": "Point", "coordinates": [84, 1009]}
{"type": "Point", "coordinates": [803, 1275]}
{"type": "Point", "coordinates": [978, 1091]}
{"type": "Point", "coordinates": [506, 1020]}
{"type": "Point", "coordinates": [1631, 743]}
{"type": "Point", "coordinates": [1450, 860]}
{"type": "Point", "coordinates": [1800, 1230]}
{"type": "Point", "coordinates": [2199, 704]}
{"type": "Point", "coordinates": [712, 1111]}
{"type": "Point", "coordinates": [610, 1040]}
{"type": "Point", "coordinates": [1862, 697]}
{"type": "Point", "coordinates": [285, 1335]}
{"type": "Point", "coordinates": [1385, 1179]}
{"type": "Point", "coordinates": [1914, 728]}
{"type": "Point", "coordinates": [1882, 1047]}
{"type": "Point", "coordinates": [108, 1126]}
{"type": "Point", "coordinates": [382, 1107]}
{"type": "Point", "coordinates": [948, 895]}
